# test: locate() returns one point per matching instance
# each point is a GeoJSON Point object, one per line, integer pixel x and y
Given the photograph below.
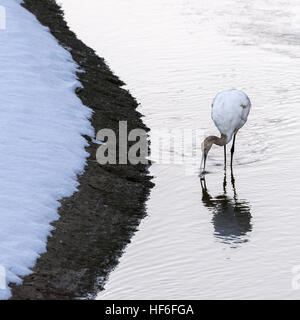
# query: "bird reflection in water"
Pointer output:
{"type": "Point", "coordinates": [231, 216]}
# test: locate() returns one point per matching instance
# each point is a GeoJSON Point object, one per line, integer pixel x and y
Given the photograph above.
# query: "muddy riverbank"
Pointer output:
{"type": "Point", "coordinates": [97, 222]}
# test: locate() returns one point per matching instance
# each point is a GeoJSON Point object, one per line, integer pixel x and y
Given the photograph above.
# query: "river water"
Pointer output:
{"type": "Point", "coordinates": [234, 235]}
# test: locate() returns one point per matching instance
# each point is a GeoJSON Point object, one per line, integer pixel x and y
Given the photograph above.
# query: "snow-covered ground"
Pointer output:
{"type": "Point", "coordinates": [41, 143]}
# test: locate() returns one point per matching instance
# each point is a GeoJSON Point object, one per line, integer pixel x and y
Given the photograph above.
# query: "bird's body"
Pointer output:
{"type": "Point", "coordinates": [229, 111]}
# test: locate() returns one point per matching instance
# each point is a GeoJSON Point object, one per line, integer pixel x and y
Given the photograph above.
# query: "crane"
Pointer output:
{"type": "Point", "coordinates": [230, 109]}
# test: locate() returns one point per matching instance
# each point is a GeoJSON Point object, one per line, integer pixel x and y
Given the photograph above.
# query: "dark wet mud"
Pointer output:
{"type": "Point", "coordinates": [98, 221]}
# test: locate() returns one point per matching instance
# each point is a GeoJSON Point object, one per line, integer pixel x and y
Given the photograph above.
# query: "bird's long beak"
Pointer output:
{"type": "Point", "coordinates": [203, 161]}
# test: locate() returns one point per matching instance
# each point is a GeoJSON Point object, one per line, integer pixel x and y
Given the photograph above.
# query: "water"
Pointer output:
{"type": "Point", "coordinates": [236, 235]}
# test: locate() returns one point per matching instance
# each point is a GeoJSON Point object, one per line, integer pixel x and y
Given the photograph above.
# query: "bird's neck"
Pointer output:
{"type": "Point", "coordinates": [219, 141]}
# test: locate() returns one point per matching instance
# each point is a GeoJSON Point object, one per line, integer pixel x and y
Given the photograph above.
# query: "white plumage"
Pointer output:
{"type": "Point", "coordinates": [230, 110]}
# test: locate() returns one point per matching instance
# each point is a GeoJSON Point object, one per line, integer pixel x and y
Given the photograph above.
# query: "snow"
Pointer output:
{"type": "Point", "coordinates": [41, 145]}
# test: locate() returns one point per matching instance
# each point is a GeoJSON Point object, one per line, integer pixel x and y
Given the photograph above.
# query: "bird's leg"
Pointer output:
{"type": "Point", "coordinates": [224, 182]}
{"type": "Point", "coordinates": [224, 155]}
{"type": "Point", "coordinates": [233, 185]}
{"type": "Point", "coordinates": [232, 150]}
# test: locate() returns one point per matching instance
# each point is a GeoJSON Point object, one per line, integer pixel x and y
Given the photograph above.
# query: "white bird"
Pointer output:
{"type": "Point", "coordinates": [230, 109]}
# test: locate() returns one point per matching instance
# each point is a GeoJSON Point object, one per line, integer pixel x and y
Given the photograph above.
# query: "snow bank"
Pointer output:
{"type": "Point", "coordinates": [41, 147]}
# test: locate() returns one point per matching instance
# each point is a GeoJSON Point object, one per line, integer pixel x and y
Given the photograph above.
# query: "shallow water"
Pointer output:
{"type": "Point", "coordinates": [232, 235]}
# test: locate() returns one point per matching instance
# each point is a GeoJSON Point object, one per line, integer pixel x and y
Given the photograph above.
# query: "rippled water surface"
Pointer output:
{"type": "Point", "coordinates": [233, 235]}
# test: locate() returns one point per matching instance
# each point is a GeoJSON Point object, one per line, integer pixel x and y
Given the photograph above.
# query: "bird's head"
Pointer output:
{"type": "Point", "coordinates": [205, 147]}
{"type": "Point", "coordinates": [206, 144]}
